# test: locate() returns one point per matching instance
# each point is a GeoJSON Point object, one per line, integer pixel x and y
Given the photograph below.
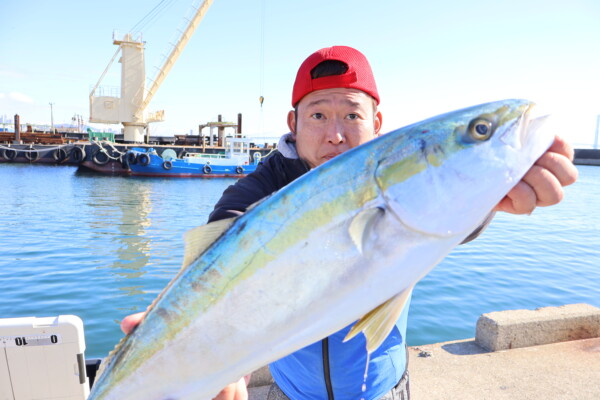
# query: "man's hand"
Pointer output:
{"type": "Point", "coordinates": [234, 391]}
{"type": "Point", "coordinates": [131, 321]}
{"type": "Point", "coordinates": [543, 184]}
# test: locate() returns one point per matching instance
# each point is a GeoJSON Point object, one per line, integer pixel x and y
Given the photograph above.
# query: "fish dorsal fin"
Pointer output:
{"type": "Point", "coordinates": [199, 239]}
{"type": "Point", "coordinates": [378, 323]}
{"type": "Point", "coordinates": [258, 202]}
{"type": "Point", "coordinates": [361, 225]}
{"type": "Point", "coordinates": [109, 358]}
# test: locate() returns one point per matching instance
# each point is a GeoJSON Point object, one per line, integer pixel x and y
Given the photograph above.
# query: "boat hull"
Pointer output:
{"type": "Point", "coordinates": [152, 165]}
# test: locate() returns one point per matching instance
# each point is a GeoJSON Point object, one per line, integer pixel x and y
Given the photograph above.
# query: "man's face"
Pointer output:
{"type": "Point", "coordinates": [331, 121]}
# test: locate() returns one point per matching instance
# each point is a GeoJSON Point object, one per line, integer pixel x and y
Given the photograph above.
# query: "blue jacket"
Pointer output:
{"type": "Point", "coordinates": [304, 374]}
{"type": "Point", "coordinates": [329, 366]}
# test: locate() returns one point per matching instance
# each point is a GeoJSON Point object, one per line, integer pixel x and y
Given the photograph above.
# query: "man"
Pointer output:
{"type": "Point", "coordinates": [335, 109]}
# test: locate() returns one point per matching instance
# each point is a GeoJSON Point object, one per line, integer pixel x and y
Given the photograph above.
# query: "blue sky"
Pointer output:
{"type": "Point", "coordinates": [429, 57]}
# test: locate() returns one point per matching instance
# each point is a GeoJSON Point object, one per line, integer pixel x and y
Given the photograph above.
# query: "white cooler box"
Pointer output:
{"type": "Point", "coordinates": [42, 358]}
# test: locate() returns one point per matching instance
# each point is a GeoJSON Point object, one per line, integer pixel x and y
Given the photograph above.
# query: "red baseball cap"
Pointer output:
{"type": "Point", "coordinates": [359, 75]}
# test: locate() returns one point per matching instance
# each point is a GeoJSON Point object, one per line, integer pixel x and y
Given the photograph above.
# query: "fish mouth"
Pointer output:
{"type": "Point", "coordinates": [528, 126]}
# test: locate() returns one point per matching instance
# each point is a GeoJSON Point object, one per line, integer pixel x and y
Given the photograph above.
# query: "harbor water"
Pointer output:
{"type": "Point", "coordinates": [103, 247]}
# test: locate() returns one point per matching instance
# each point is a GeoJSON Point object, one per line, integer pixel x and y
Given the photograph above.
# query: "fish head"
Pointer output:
{"type": "Point", "coordinates": [443, 176]}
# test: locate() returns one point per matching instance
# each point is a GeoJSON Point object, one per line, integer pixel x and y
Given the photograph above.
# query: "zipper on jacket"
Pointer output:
{"type": "Point", "coordinates": [326, 371]}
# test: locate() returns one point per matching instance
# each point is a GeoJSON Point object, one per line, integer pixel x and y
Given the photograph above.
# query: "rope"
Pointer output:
{"type": "Point", "coordinates": [112, 146]}
{"type": "Point", "coordinates": [114, 149]}
{"type": "Point", "coordinates": [268, 154]}
{"type": "Point", "coordinates": [35, 150]}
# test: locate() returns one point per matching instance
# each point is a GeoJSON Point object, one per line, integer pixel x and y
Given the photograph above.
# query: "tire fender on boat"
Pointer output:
{"type": "Point", "coordinates": [78, 154]}
{"type": "Point", "coordinates": [207, 169]}
{"type": "Point", "coordinates": [9, 154]}
{"type": "Point", "coordinates": [167, 165]}
{"type": "Point", "coordinates": [32, 155]}
{"type": "Point", "coordinates": [101, 157]}
{"type": "Point", "coordinates": [60, 155]}
{"type": "Point", "coordinates": [239, 169]}
{"type": "Point", "coordinates": [131, 158]}
{"type": "Point", "coordinates": [143, 159]}
{"type": "Point", "coordinates": [123, 161]}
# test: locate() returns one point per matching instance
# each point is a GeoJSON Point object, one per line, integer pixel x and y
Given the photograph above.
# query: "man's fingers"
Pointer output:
{"type": "Point", "coordinates": [547, 188]}
{"type": "Point", "coordinates": [551, 172]}
{"type": "Point", "coordinates": [561, 146]}
{"type": "Point", "coordinates": [543, 184]}
{"type": "Point", "coordinates": [234, 391]}
{"type": "Point", "coordinates": [520, 200]}
{"type": "Point", "coordinates": [560, 166]}
{"type": "Point", "coordinates": [131, 321]}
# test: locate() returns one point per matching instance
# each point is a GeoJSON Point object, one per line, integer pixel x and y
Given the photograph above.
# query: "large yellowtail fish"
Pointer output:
{"type": "Point", "coordinates": [345, 242]}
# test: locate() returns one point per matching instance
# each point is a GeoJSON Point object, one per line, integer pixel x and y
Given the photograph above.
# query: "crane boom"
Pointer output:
{"type": "Point", "coordinates": [105, 71]}
{"type": "Point", "coordinates": [129, 108]}
{"type": "Point", "coordinates": [177, 49]}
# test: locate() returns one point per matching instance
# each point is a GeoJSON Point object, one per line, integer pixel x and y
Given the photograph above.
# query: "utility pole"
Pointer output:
{"type": "Point", "coordinates": [78, 119]}
{"type": "Point", "coordinates": [51, 118]}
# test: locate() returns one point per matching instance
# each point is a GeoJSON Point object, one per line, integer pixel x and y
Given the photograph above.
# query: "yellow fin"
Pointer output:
{"type": "Point", "coordinates": [256, 203]}
{"type": "Point", "coordinates": [361, 225]}
{"type": "Point", "coordinates": [378, 323]}
{"type": "Point", "coordinates": [108, 359]}
{"type": "Point", "coordinates": [199, 239]}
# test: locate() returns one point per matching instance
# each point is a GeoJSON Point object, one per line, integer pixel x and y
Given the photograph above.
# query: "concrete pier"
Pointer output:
{"type": "Point", "coordinates": [555, 354]}
{"type": "Point", "coordinates": [587, 157]}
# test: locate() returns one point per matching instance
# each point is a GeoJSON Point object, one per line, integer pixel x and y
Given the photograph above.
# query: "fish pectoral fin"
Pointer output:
{"type": "Point", "coordinates": [199, 239]}
{"type": "Point", "coordinates": [361, 226]}
{"type": "Point", "coordinates": [378, 323]}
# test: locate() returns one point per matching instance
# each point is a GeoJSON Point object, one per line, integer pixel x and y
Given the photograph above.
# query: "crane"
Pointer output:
{"type": "Point", "coordinates": [129, 108]}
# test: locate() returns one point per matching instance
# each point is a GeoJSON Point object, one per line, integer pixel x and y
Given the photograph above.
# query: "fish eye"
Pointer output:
{"type": "Point", "coordinates": [480, 129]}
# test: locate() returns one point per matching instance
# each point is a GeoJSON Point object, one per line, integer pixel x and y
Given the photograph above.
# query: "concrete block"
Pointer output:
{"type": "Point", "coordinates": [512, 329]}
